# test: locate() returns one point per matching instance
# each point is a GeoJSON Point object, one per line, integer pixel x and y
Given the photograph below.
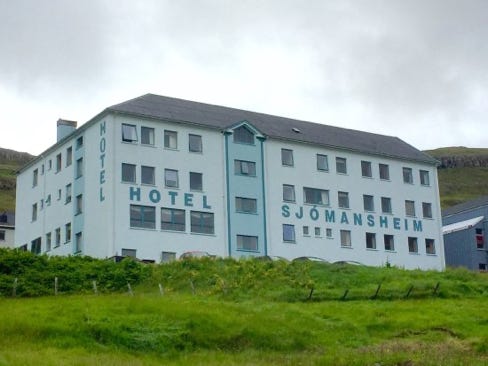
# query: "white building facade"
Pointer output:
{"type": "Point", "coordinates": [155, 177]}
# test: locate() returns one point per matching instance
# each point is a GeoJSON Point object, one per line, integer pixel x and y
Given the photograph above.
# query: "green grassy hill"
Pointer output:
{"type": "Point", "coordinates": [10, 162]}
{"type": "Point", "coordinates": [238, 312]}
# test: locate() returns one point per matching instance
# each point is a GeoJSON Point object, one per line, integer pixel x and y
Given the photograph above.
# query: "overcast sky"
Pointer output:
{"type": "Point", "coordinates": [413, 69]}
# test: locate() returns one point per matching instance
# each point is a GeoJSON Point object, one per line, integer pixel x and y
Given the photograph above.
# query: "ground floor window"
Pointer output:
{"type": "Point", "coordinates": [413, 245]}
{"type": "Point", "coordinates": [202, 222]}
{"type": "Point", "coordinates": [288, 233]}
{"type": "Point", "coordinates": [167, 257]}
{"type": "Point", "coordinates": [67, 232]}
{"type": "Point", "coordinates": [48, 242]}
{"type": "Point", "coordinates": [129, 253]}
{"type": "Point", "coordinates": [371, 240]}
{"type": "Point", "coordinates": [36, 246]}
{"type": "Point", "coordinates": [345, 238]}
{"type": "Point", "coordinates": [172, 219]}
{"type": "Point", "coordinates": [78, 242]}
{"type": "Point", "coordinates": [2, 235]}
{"type": "Point", "coordinates": [142, 217]}
{"type": "Point", "coordinates": [246, 242]}
{"type": "Point", "coordinates": [389, 242]}
{"type": "Point", "coordinates": [429, 246]}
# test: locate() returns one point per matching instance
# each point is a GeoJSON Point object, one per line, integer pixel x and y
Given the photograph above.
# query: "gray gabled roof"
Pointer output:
{"type": "Point", "coordinates": [466, 206]}
{"type": "Point", "coordinates": [212, 116]}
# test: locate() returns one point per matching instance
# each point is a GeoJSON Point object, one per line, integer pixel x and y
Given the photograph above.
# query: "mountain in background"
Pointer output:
{"type": "Point", "coordinates": [10, 162]}
{"type": "Point", "coordinates": [463, 174]}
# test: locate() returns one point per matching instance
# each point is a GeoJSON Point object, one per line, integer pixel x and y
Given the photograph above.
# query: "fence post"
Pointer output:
{"type": "Point", "coordinates": [436, 288]}
{"type": "Point", "coordinates": [161, 290]}
{"type": "Point", "coordinates": [14, 290]}
{"type": "Point", "coordinates": [377, 291]}
{"type": "Point", "coordinates": [130, 289]}
{"type": "Point", "coordinates": [192, 287]}
{"type": "Point", "coordinates": [310, 294]}
{"type": "Point", "coordinates": [345, 295]}
{"type": "Point", "coordinates": [409, 291]}
{"type": "Point", "coordinates": [95, 290]}
{"type": "Point", "coordinates": [55, 286]}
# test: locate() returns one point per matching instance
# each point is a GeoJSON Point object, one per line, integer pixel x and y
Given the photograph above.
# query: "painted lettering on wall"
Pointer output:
{"type": "Point", "coordinates": [350, 218]}
{"type": "Point", "coordinates": [102, 149]}
{"type": "Point", "coordinates": [170, 198]}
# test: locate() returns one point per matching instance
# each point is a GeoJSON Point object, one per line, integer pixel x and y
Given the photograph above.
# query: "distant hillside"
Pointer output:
{"type": "Point", "coordinates": [463, 173]}
{"type": "Point", "coordinates": [10, 162]}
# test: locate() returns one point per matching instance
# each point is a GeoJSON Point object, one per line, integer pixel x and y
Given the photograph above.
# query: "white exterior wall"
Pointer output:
{"type": "Point", "coordinates": [304, 173]}
{"type": "Point", "coordinates": [9, 240]}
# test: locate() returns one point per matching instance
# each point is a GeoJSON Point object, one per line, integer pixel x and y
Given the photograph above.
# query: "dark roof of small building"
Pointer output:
{"type": "Point", "coordinates": [466, 206]}
{"type": "Point", "coordinates": [7, 219]}
{"type": "Point", "coordinates": [212, 116]}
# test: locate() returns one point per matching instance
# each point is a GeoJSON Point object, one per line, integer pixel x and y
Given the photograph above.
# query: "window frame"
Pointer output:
{"type": "Point", "coordinates": [141, 220]}
{"type": "Point", "coordinates": [201, 218]}
{"type": "Point", "coordinates": [240, 243]}
{"type": "Point", "coordinates": [407, 175]}
{"type": "Point", "coordinates": [316, 193]}
{"type": "Point", "coordinates": [147, 168]}
{"type": "Point", "coordinates": [366, 167]}
{"type": "Point", "coordinates": [129, 129]}
{"type": "Point", "coordinates": [410, 208]}
{"type": "Point", "coordinates": [79, 204]}
{"type": "Point", "coordinates": [288, 233]}
{"type": "Point", "coordinates": [240, 207]}
{"type": "Point", "coordinates": [413, 245]}
{"type": "Point", "coordinates": [195, 174]}
{"type": "Point", "coordinates": [346, 239]}
{"type": "Point", "coordinates": [424, 177]}
{"type": "Point", "coordinates": [67, 232]}
{"type": "Point", "coordinates": [427, 210]}
{"type": "Point", "coordinates": [370, 241]}
{"type": "Point", "coordinates": [199, 149]}
{"type": "Point", "coordinates": [150, 133]}
{"type": "Point", "coordinates": [368, 199]}
{"type": "Point", "coordinates": [243, 138]}
{"type": "Point", "coordinates": [389, 240]}
{"type": "Point", "coordinates": [79, 167]}
{"type": "Point", "coordinates": [343, 199]}
{"type": "Point", "coordinates": [290, 188]}
{"type": "Point", "coordinates": [384, 170]}
{"type": "Point", "coordinates": [428, 247]}
{"type": "Point", "coordinates": [387, 200]}
{"type": "Point", "coordinates": [167, 180]}
{"type": "Point", "coordinates": [69, 193]}
{"type": "Point", "coordinates": [341, 165]}
{"type": "Point", "coordinates": [175, 223]}
{"type": "Point", "coordinates": [322, 162]}
{"type": "Point", "coordinates": [170, 137]}
{"type": "Point", "coordinates": [251, 168]}
{"type": "Point", "coordinates": [69, 156]}
{"type": "Point", "coordinates": [287, 157]}
{"type": "Point", "coordinates": [124, 173]}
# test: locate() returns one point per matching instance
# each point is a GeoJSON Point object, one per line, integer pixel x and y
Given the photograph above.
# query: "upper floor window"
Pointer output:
{"type": "Point", "coordinates": [202, 222]}
{"type": "Point", "coordinates": [147, 135]}
{"type": "Point", "coordinates": [172, 219]}
{"type": "Point", "coordinates": [288, 233]}
{"type": "Point", "coordinates": [287, 157]}
{"type": "Point", "coordinates": [407, 175]}
{"type": "Point", "coordinates": [129, 133]}
{"type": "Point", "coordinates": [142, 216]}
{"type": "Point", "coordinates": [195, 143]}
{"type": "Point", "coordinates": [389, 242]}
{"type": "Point", "coordinates": [196, 181]}
{"type": "Point", "coordinates": [316, 196]}
{"type": "Point", "coordinates": [368, 202]}
{"type": "Point", "coordinates": [246, 205]}
{"type": "Point", "coordinates": [35, 176]}
{"type": "Point", "coordinates": [68, 193]}
{"type": "Point", "coordinates": [79, 167]}
{"type": "Point", "coordinates": [49, 164]}
{"type": "Point", "coordinates": [427, 210]}
{"type": "Point", "coordinates": [343, 199]}
{"type": "Point", "coordinates": [341, 165]}
{"type": "Point", "coordinates": [288, 193]}
{"type": "Point", "coordinates": [409, 208]}
{"type": "Point", "coordinates": [371, 240]}
{"type": "Point", "coordinates": [69, 156]}
{"type": "Point", "coordinates": [412, 245]}
{"type": "Point", "coordinates": [366, 170]}
{"type": "Point", "coordinates": [170, 139]}
{"type": "Point", "coordinates": [429, 246]}
{"type": "Point", "coordinates": [128, 173]}
{"type": "Point", "coordinates": [386, 205]}
{"type": "Point", "coordinates": [79, 204]}
{"type": "Point", "coordinates": [148, 175]}
{"type": "Point", "coordinates": [322, 162]}
{"type": "Point", "coordinates": [67, 232]}
{"type": "Point", "coordinates": [480, 238]}
{"type": "Point", "coordinates": [243, 135]}
{"type": "Point", "coordinates": [345, 238]}
{"type": "Point", "coordinates": [79, 142]}
{"type": "Point", "coordinates": [384, 171]}
{"type": "Point", "coordinates": [424, 178]}
{"type": "Point", "coordinates": [247, 242]}
{"type": "Point", "coordinates": [34, 212]}
{"type": "Point", "coordinates": [171, 178]}
{"type": "Point", "coordinates": [58, 162]}
{"type": "Point", "coordinates": [245, 167]}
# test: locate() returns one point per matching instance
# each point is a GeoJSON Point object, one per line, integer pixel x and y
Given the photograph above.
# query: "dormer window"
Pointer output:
{"type": "Point", "coordinates": [243, 135]}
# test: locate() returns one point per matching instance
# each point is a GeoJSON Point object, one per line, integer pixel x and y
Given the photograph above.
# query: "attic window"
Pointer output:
{"type": "Point", "coordinates": [296, 130]}
{"type": "Point", "coordinates": [243, 135]}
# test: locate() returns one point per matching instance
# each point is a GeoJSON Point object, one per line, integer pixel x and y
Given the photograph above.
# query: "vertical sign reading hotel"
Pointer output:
{"type": "Point", "coordinates": [103, 146]}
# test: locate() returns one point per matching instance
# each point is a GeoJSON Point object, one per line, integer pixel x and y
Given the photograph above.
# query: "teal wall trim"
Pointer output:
{"type": "Point", "coordinates": [265, 238]}
{"type": "Point", "coordinates": [78, 188]}
{"type": "Point", "coordinates": [227, 172]}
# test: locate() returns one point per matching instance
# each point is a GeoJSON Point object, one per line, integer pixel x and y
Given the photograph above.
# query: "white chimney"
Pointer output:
{"type": "Point", "coordinates": [65, 128]}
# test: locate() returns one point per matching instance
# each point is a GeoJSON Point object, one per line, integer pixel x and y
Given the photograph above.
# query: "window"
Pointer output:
{"type": "Point", "coordinates": [482, 266]}
{"type": "Point", "coordinates": [49, 164]}
{"type": "Point", "coordinates": [343, 198]}
{"type": "Point", "coordinates": [128, 173]}
{"type": "Point", "coordinates": [142, 217]}
{"type": "Point", "coordinates": [384, 171]}
{"type": "Point", "coordinates": [341, 165]}
{"type": "Point", "coordinates": [389, 242]}
{"type": "Point", "coordinates": [58, 162]}
{"type": "Point", "coordinates": [412, 245]}
{"type": "Point", "coordinates": [243, 135]}
{"type": "Point", "coordinates": [132, 253]}
{"type": "Point", "coordinates": [171, 178]}
{"type": "Point", "coordinates": [386, 205]}
{"type": "Point", "coordinates": [2, 235]}
{"type": "Point", "coordinates": [34, 212]}
{"type": "Point", "coordinates": [370, 240]}
{"type": "Point", "coordinates": [129, 133]}
{"type": "Point", "coordinates": [409, 208]}
{"type": "Point", "coordinates": [245, 167]}
{"type": "Point", "coordinates": [429, 246]}
{"type": "Point", "coordinates": [316, 196]}
{"type": "Point", "coordinates": [368, 202]}
{"type": "Point", "coordinates": [148, 175]}
{"type": "Point", "coordinates": [167, 257]}
{"type": "Point", "coordinates": [69, 156]}
{"type": "Point", "coordinates": [79, 204]}
{"type": "Point", "coordinates": [202, 222]}
{"type": "Point", "coordinates": [424, 178]}
{"type": "Point", "coordinates": [427, 210]}
{"type": "Point", "coordinates": [288, 233]}
{"type": "Point", "coordinates": [288, 193]}
{"type": "Point", "coordinates": [328, 232]}
{"type": "Point", "coordinates": [48, 242]}
{"type": "Point", "coordinates": [246, 205]}
{"type": "Point", "coordinates": [35, 175]}
{"type": "Point", "coordinates": [36, 246]}
{"type": "Point", "coordinates": [78, 242]}
{"type": "Point", "coordinates": [68, 193]}
{"type": "Point", "coordinates": [60, 193]}
{"type": "Point", "coordinates": [317, 231]}
{"type": "Point", "coordinates": [287, 157]}
{"type": "Point", "coordinates": [58, 237]}
{"type": "Point", "coordinates": [42, 169]}
{"type": "Point", "coordinates": [345, 238]}
{"type": "Point", "coordinates": [147, 135]}
{"type": "Point", "coordinates": [170, 139]}
{"type": "Point", "coordinates": [195, 143]}
{"type": "Point", "coordinates": [407, 175]}
{"type": "Point", "coordinates": [322, 163]}
{"type": "Point", "coordinates": [67, 232]}
{"type": "Point", "coordinates": [366, 169]}
{"type": "Point", "coordinates": [48, 200]}
{"type": "Point", "coordinates": [79, 167]}
{"type": "Point", "coordinates": [41, 206]}
{"type": "Point", "coordinates": [172, 219]}
{"type": "Point", "coordinates": [306, 231]}
{"type": "Point", "coordinates": [480, 239]}
{"type": "Point", "coordinates": [79, 142]}
{"type": "Point", "coordinates": [246, 242]}
{"type": "Point", "coordinates": [196, 181]}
